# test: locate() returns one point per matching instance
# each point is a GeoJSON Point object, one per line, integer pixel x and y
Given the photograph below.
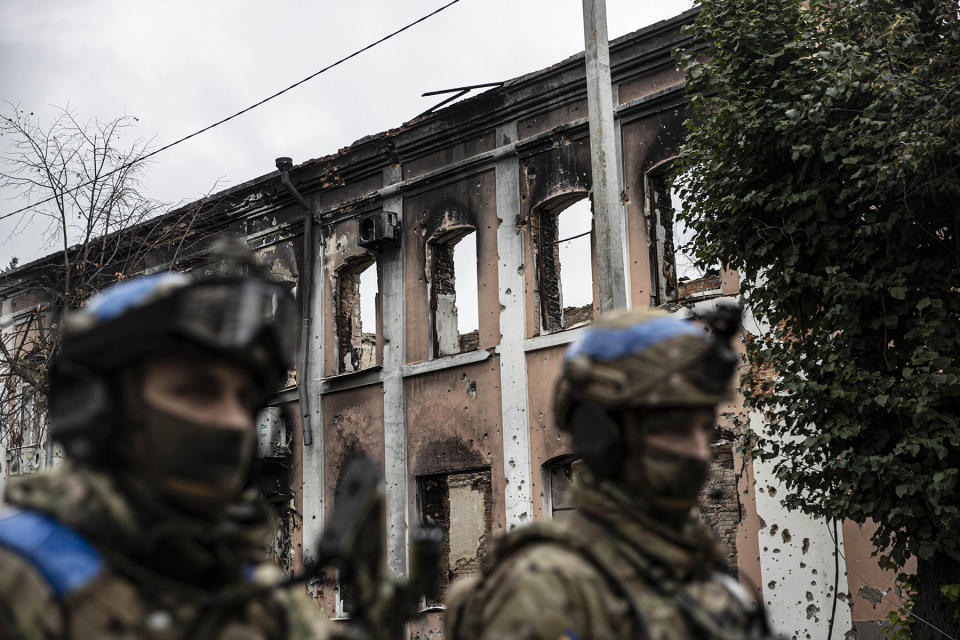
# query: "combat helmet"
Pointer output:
{"type": "Point", "coordinates": [242, 317]}
{"type": "Point", "coordinates": [642, 359]}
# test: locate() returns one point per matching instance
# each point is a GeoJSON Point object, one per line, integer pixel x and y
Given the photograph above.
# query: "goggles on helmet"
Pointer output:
{"type": "Point", "coordinates": [231, 317]}
{"type": "Point", "coordinates": [250, 320]}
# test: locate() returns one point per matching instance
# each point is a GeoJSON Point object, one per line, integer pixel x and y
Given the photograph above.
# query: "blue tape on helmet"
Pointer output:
{"type": "Point", "coordinates": [609, 343]}
{"type": "Point", "coordinates": [117, 299]}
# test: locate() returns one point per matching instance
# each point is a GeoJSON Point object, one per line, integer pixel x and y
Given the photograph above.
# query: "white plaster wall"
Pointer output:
{"type": "Point", "coordinates": [797, 563]}
{"type": "Point", "coordinates": [796, 553]}
{"type": "Point", "coordinates": [518, 498]}
{"type": "Point", "coordinates": [313, 454]}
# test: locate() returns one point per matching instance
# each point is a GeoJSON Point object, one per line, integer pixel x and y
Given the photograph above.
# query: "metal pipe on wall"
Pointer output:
{"type": "Point", "coordinates": [304, 287]}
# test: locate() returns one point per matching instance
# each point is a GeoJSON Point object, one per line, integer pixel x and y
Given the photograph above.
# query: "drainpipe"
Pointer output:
{"type": "Point", "coordinates": [304, 289]}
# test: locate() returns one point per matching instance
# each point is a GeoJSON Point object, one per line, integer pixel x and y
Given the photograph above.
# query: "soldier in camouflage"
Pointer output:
{"type": "Point", "coordinates": [639, 393]}
{"type": "Point", "coordinates": [148, 530]}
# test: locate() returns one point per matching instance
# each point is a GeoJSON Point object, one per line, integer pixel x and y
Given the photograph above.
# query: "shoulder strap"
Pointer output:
{"type": "Point", "coordinates": [62, 555]}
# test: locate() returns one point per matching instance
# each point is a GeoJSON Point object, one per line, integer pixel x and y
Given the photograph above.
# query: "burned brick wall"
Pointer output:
{"type": "Point", "coordinates": [356, 344]}
{"type": "Point", "coordinates": [545, 235]}
{"type": "Point", "coordinates": [551, 180]}
{"type": "Point", "coordinates": [718, 504]}
{"type": "Point", "coordinates": [649, 139]}
{"type": "Point", "coordinates": [348, 319]}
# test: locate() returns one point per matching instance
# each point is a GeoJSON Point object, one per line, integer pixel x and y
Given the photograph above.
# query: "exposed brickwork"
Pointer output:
{"type": "Point", "coordinates": [434, 502]}
{"type": "Point", "coordinates": [352, 353]}
{"type": "Point", "coordinates": [548, 251]}
{"type": "Point", "coordinates": [577, 315]}
{"type": "Point", "coordinates": [718, 504]}
{"type": "Point", "coordinates": [709, 282]}
{"type": "Point", "coordinates": [470, 341]}
{"type": "Point", "coordinates": [442, 273]}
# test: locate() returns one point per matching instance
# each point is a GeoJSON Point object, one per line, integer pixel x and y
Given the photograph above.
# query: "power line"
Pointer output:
{"type": "Point", "coordinates": [238, 113]}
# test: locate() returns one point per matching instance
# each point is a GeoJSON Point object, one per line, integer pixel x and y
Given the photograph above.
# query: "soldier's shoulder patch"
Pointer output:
{"type": "Point", "coordinates": [62, 555]}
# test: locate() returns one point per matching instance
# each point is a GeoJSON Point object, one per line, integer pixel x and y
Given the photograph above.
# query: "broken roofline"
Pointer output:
{"type": "Point", "coordinates": [537, 92]}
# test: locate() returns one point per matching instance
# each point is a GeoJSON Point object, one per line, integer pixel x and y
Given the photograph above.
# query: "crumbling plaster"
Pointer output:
{"type": "Point", "coordinates": [453, 423]}
{"type": "Point", "coordinates": [352, 426]}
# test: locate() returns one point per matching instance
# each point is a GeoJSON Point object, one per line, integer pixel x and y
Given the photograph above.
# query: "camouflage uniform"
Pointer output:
{"type": "Point", "coordinates": [102, 563]}
{"type": "Point", "coordinates": [613, 568]}
{"type": "Point", "coordinates": [148, 532]}
{"type": "Point", "coordinates": [605, 571]}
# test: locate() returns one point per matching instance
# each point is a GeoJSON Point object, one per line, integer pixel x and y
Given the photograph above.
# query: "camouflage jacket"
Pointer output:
{"type": "Point", "coordinates": [605, 571]}
{"type": "Point", "coordinates": [80, 559]}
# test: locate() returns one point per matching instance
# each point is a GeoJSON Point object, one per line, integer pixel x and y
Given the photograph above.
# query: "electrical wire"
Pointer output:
{"type": "Point", "coordinates": [883, 594]}
{"type": "Point", "coordinates": [238, 113]}
{"type": "Point", "coordinates": [836, 577]}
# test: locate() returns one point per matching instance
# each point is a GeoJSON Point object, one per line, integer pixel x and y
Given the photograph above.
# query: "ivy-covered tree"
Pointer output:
{"type": "Point", "coordinates": [822, 163]}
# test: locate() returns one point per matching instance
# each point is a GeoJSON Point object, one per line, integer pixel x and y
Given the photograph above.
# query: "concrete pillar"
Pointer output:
{"type": "Point", "coordinates": [313, 454]}
{"type": "Point", "coordinates": [513, 366]}
{"type": "Point", "coordinates": [391, 279]}
{"type": "Point", "coordinates": [621, 209]}
{"type": "Point", "coordinates": [607, 208]}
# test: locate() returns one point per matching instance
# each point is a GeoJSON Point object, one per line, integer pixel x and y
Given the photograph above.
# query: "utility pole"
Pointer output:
{"type": "Point", "coordinates": [607, 208]}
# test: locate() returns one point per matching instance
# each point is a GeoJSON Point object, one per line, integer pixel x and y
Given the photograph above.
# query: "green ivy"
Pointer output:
{"type": "Point", "coordinates": [821, 162]}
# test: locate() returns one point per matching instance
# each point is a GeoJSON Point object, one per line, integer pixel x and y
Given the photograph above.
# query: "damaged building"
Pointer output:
{"type": "Point", "coordinates": [448, 264]}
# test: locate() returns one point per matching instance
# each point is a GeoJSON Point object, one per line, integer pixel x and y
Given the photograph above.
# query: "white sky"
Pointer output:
{"type": "Point", "coordinates": [179, 66]}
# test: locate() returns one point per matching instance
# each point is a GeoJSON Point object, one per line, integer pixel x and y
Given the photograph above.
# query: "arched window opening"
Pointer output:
{"type": "Point", "coordinates": [357, 329]}
{"type": "Point", "coordinates": [454, 294]}
{"type": "Point", "coordinates": [557, 476]}
{"type": "Point", "coordinates": [678, 277]}
{"type": "Point", "coordinates": [565, 259]}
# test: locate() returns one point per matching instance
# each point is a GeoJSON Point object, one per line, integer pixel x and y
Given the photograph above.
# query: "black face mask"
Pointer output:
{"type": "Point", "coordinates": [672, 481]}
{"type": "Point", "coordinates": [197, 467]}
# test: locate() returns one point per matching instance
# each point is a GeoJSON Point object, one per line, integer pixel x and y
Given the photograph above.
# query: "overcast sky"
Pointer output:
{"type": "Point", "coordinates": [179, 66]}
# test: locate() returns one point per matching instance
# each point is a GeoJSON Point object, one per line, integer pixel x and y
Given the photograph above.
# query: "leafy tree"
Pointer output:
{"type": "Point", "coordinates": [821, 163]}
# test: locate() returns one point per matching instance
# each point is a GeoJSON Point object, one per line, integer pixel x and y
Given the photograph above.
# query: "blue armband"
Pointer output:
{"type": "Point", "coordinates": [62, 555]}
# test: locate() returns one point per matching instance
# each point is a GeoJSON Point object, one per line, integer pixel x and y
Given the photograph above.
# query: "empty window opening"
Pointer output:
{"type": "Point", "coordinates": [691, 280]}
{"type": "Point", "coordinates": [454, 293]}
{"type": "Point", "coordinates": [357, 317]}
{"type": "Point", "coordinates": [557, 476]}
{"type": "Point", "coordinates": [566, 265]}
{"type": "Point", "coordinates": [676, 271]}
{"type": "Point", "coordinates": [460, 504]}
